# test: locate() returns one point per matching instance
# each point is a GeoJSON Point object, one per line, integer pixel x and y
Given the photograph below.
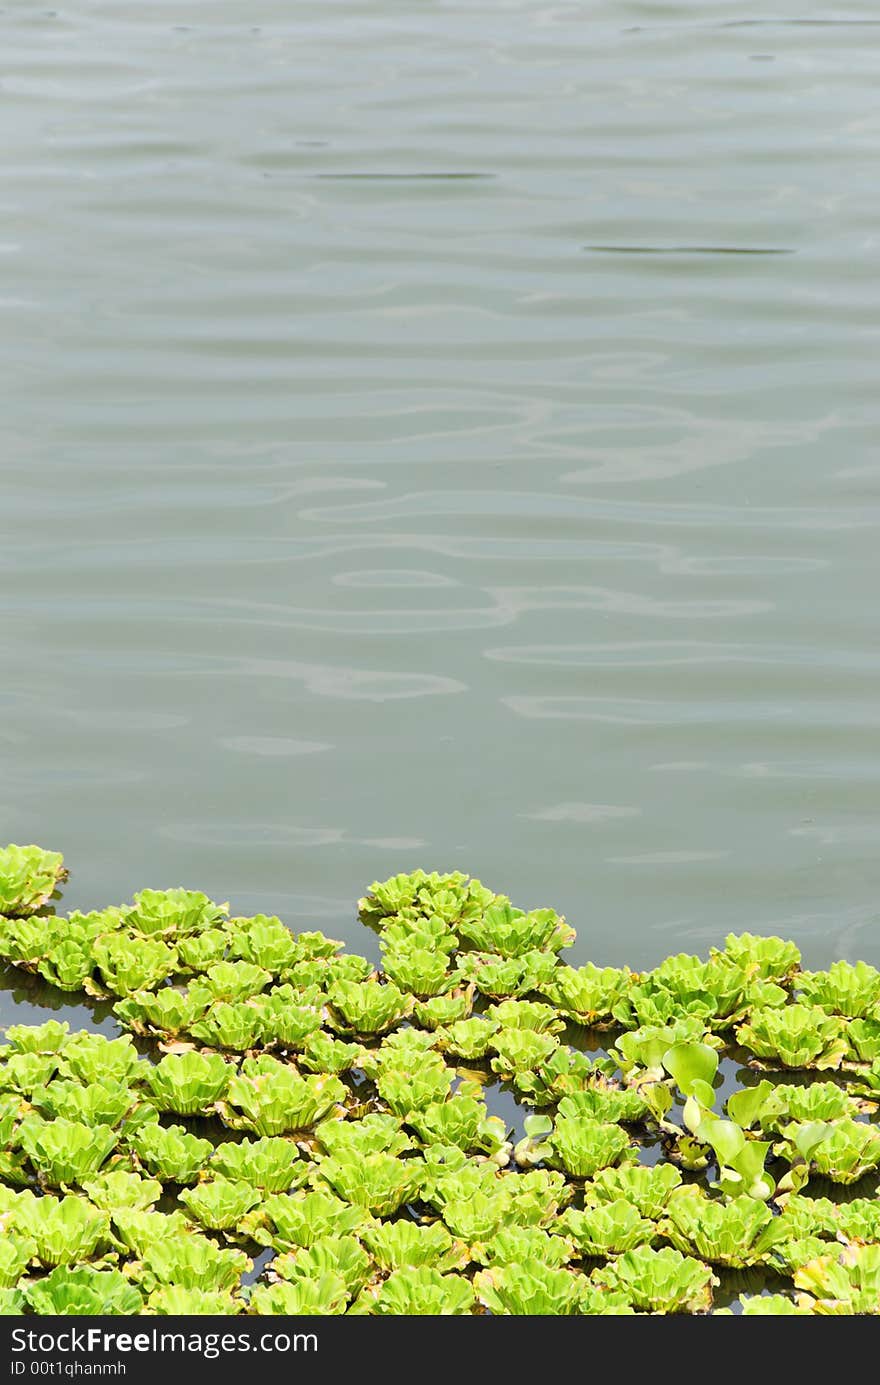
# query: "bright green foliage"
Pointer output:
{"type": "Point", "coordinates": [288, 1017]}
{"type": "Point", "coordinates": [167, 1011]}
{"type": "Point", "coordinates": [92, 1058]}
{"type": "Point", "coordinates": [191, 1262]}
{"type": "Point", "coordinates": [365, 1007]}
{"type": "Point", "coordinates": [65, 1151]}
{"type": "Point", "coordinates": [641, 1051]}
{"type": "Point", "coordinates": [510, 932]}
{"type": "Point", "coordinates": [408, 1090]}
{"type": "Point", "coordinates": [524, 1245]}
{"type": "Point", "coordinates": [121, 1189]}
{"type": "Point", "coordinates": [169, 1301]}
{"type": "Point", "coordinates": [171, 1153]}
{"type": "Point", "coordinates": [322, 1297]}
{"type": "Point", "coordinates": [220, 1204]}
{"type": "Point", "coordinates": [398, 1244]}
{"type": "Point", "coordinates": [526, 1014]}
{"type": "Point", "coordinates": [105, 1102]}
{"type": "Point", "coordinates": [418, 970]}
{"type": "Point", "coordinates": [419, 895]}
{"type": "Point", "coordinates": [188, 1083]}
{"type": "Point", "coordinates": [129, 963]}
{"type": "Point", "coordinates": [301, 1219]}
{"type": "Point", "coordinates": [819, 1101]}
{"type": "Point", "coordinates": [476, 1218]}
{"type": "Point", "coordinates": [271, 1098]}
{"type": "Point", "coordinates": [64, 1230]}
{"type": "Point", "coordinates": [235, 981]}
{"type": "Point", "coordinates": [648, 1189]}
{"type": "Point", "coordinates": [769, 958]}
{"type": "Point", "coordinates": [462, 1121]}
{"type": "Point", "coordinates": [535, 1290]}
{"type": "Point", "coordinates": [602, 1102]}
{"type": "Point", "coordinates": [67, 965]}
{"type": "Point", "coordinates": [844, 1151]}
{"type": "Point", "coordinates": [342, 1255]}
{"type": "Point", "coordinates": [136, 1229]}
{"type": "Point", "coordinates": [271, 1164]}
{"type": "Point", "coordinates": [468, 1038]}
{"type": "Point", "coordinates": [583, 1147]}
{"type": "Point", "coordinates": [27, 1072]}
{"type": "Point", "coordinates": [376, 1133]}
{"type": "Point", "coordinates": [28, 877]}
{"type": "Point", "coordinates": [418, 1292]}
{"type": "Point", "coordinates": [844, 1283]}
{"type": "Point", "coordinates": [520, 1050]}
{"type": "Point", "coordinates": [843, 989]}
{"type": "Point", "coordinates": [443, 1009]}
{"type": "Point", "coordinates": [864, 1039]}
{"type": "Point", "coordinates": [566, 1071]}
{"type": "Point", "coordinates": [263, 940]}
{"type": "Point", "coordinates": [37, 1038]}
{"type": "Point", "coordinates": [658, 1281]}
{"type": "Point", "coordinates": [330, 1167]}
{"type": "Point", "coordinates": [16, 1253]}
{"type": "Point", "coordinates": [83, 1292]}
{"type": "Point", "coordinates": [322, 1053]}
{"type": "Point", "coordinates": [378, 1183]}
{"type": "Point", "coordinates": [734, 1234]}
{"type": "Point", "coordinates": [588, 994]}
{"type": "Point", "coordinates": [770, 1306]}
{"type": "Point", "coordinates": [173, 913]}
{"type": "Point", "coordinates": [236, 1027]}
{"type": "Point", "coordinates": [609, 1228]}
{"type": "Point", "coordinates": [498, 977]}
{"type": "Point", "coordinates": [202, 950]}
{"type": "Point", "coordinates": [797, 1036]}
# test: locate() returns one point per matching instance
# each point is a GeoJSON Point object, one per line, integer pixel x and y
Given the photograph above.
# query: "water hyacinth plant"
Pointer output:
{"type": "Point", "coordinates": [440, 1136]}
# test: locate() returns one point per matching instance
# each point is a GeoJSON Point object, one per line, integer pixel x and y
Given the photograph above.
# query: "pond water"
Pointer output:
{"type": "Point", "coordinates": [446, 435]}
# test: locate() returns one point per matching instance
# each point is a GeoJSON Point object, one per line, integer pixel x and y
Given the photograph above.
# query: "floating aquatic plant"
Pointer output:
{"type": "Point", "coordinates": [190, 1262]}
{"type": "Point", "coordinates": [220, 1203]}
{"type": "Point", "coordinates": [65, 1151]}
{"type": "Point", "coordinates": [530, 1291]}
{"type": "Point", "coordinates": [170, 1152]}
{"type": "Point", "coordinates": [188, 1084]}
{"type": "Point", "coordinates": [609, 1228]}
{"type": "Point", "coordinates": [321, 1297]}
{"type": "Point", "coordinates": [272, 1098]}
{"type": "Point", "coordinates": [28, 877]}
{"type": "Point", "coordinates": [301, 1219]}
{"type": "Point", "coordinates": [171, 1301]}
{"type": "Point", "coordinates": [584, 1146]}
{"type": "Point", "coordinates": [418, 1292]}
{"type": "Point", "coordinates": [796, 1036]}
{"type": "Point", "coordinates": [338, 1255]}
{"type": "Point", "coordinates": [365, 1007]}
{"type": "Point", "coordinates": [350, 1122]}
{"type": "Point", "coordinates": [64, 1230]}
{"type": "Point", "coordinates": [270, 1164]}
{"type": "Point", "coordinates": [395, 1245]}
{"type": "Point", "coordinates": [659, 1281]}
{"type": "Point", "coordinates": [735, 1233]}
{"type": "Point", "coordinates": [83, 1292]}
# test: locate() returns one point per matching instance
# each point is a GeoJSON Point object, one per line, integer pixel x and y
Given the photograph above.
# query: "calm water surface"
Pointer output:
{"type": "Point", "coordinates": [446, 435]}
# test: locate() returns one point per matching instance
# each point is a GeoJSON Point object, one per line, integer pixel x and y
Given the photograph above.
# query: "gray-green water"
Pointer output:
{"type": "Point", "coordinates": [445, 434]}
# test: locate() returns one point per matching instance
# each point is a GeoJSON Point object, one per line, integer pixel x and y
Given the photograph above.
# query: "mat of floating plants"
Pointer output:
{"type": "Point", "coordinates": [282, 1129]}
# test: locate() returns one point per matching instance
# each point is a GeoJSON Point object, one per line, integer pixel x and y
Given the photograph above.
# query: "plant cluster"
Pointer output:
{"type": "Point", "coordinates": [274, 1094]}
